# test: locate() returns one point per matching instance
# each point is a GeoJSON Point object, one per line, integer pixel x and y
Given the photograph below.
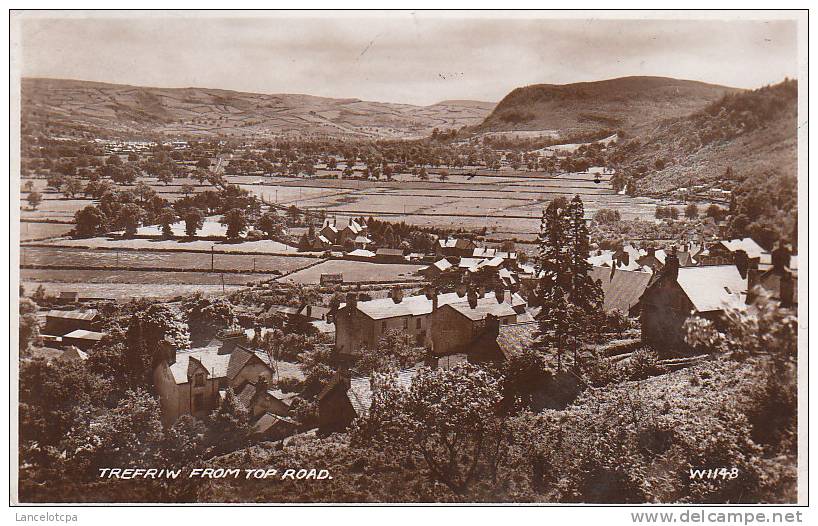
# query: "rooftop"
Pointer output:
{"type": "Point", "coordinates": [89, 314]}
{"type": "Point", "coordinates": [81, 334]}
{"type": "Point", "coordinates": [711, 288]}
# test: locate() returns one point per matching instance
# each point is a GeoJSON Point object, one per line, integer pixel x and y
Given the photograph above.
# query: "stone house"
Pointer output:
{"type": "Point", "coordinates": [193, 382]}
{"type": "Point", "coordinates": [678, 293]}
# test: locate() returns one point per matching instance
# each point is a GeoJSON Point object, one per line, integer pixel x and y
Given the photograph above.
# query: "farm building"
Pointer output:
{"type": "Point", "coordinates": [82, 339]}
{"type": "Point", "coordinates": [331, 279]}
{"type": "Point", "coordinates": [390, 255]}
{"type": "Point", "coordinates": [677, 293]}
{"type": "Point", "coordinates": [60, 322]}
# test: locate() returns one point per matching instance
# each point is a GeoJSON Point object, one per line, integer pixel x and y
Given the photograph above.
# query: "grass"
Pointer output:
{"type": "Point", "coordinates": [356, 271]}
{"type": "Point", "coordinates": [143, 259]}
{"type": "Point", "coordinates": [117, 291]}
{"type": "Point", "coordinates": [37, 231]}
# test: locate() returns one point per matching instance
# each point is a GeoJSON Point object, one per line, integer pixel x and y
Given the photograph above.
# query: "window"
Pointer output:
{"type": "Point", "coordinates": [383, 326]}
{"type": "Point", "coordinates": [198, 402]}
{"type": "Point", "coordinates": [418, 323]}
{"type": "Point", "coordinates": [198, 380]}
{"type": "Point", "coordinates": [406, 323]}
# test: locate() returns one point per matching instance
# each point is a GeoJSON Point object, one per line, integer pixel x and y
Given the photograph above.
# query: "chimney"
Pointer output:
{"type": "Point", "coordinates": [481, 291]}
{"type": "Point", "coordinates": [461, 290]}
{"type": "Point", "coordinates": [396, 294]}
{"type": "Point", "coordinates": [781, 258]}
{"type": "Point", "coordinates": [472, 296]}
{"type": "Point", "coordinates": [672, 265]}
{"type": "Point", "coordinates": [261, 387]}
{"type": "Point", "coordinates": [499, 294]}
{"type": "Point", "coordinates": [434, 301]}
{"type": "Point", "coordinates": [352, 301]}
{"type": "Point", "coordinates": [787, 290]}
{"type": "Point", "coordinates": [508, 297]}
{"type": "Point", "coordinates": [742, 262]}
{"type": "Point", "coordinates": [492, 325]}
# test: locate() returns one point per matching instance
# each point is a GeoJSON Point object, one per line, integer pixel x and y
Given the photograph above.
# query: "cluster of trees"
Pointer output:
{"type": "Point", "coordinates": [667, 212]}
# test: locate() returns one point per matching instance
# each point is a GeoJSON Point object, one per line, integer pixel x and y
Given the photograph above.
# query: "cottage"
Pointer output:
{"type": "Point", "coordinates": [725, 252]}
{"type": "Point", "coordinates": [677, 293]}
{"type": "Point", "coordinates": [193, 382]}
{"type": "Point", "coordinates": [60, 322]}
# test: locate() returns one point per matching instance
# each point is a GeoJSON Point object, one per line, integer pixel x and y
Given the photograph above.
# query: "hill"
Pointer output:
{"type": "Point", "coordinates": [745, 142]}
{"type": "Point", "coordinates": [72, 107]}
{"type": "Point", "coordinates": [597, 108]}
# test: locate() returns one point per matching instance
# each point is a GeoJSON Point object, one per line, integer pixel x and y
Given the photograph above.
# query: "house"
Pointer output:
{"type": "Point", "coordinates": [271, 426]}
{"type": "Point", "coordinates": [779, 281]}
{"type": "Point", "coordinates": [725, 252]}
{"type": "Point", "coordinates": [455, 247]}
{"type": "Point", "coordinates": [352, 236]}
{"type": "Point", "coordinates": [500, 342]}
{"type": "Point", "coordinates": [60, 322]}
{"type": "Point", "coordinates": [193, 382]}
{"type": "Point", "coordinates": [435, 269]}
{"type": "Point", "coordinates": [348, 396]}
{"type": "Point", "coordinates": [259, 398]}
{"type": "Point", "coordinates": [622, 288]}
{"type": "Point", "coordinates": [82, 339]}
{"type": "Point", "coordinates": [390, 255]}
{"type": "Point", "coordinates": [489, 253]}
{"type": "Point", "coordinates": [677, 293]}
{"type": "Point", "coordinates": [459, 323]}
{"type": "Point", "coordinates": [361, 323]}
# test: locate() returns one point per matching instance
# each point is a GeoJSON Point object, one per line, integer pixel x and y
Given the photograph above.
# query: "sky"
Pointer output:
{"type": "Point", "coordinates": [414, 58]}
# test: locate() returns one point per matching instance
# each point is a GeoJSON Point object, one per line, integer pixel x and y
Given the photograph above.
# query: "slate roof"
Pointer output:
{"type": "Point", "coordinates": [268, 420]}
{"type": "Point", "coordinates": [361, 253]}
{"type": "Point", "coordinates": [389, 252]}
{"type": "Point", "coordinates": [459, 243]}
{"type": "Point", "coordinates": [515, 337]}
{"type": "Point", "coordinates": [384, 308]}
{"type": "Point", "coordinates": [218, 364]}
{"type": "Point", "coordinates": [88, 315]}
{"type": "Point", "coordinates": [623, 290]}
{"type": "Point", "coordinates": [709, 288]}
{"type": "Point", "coordinates": [485, 306]}
{"type": "Point", "coordinates": [360, 389]}
{"type": "Point", "coordinates": [81, 334]}
{"type": "Point", "coordinates": [746, 244]}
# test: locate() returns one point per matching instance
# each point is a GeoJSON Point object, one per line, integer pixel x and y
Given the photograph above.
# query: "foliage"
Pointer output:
{"type": "Point", "coordinates": [448, 416]}
{"type": "Point", "coordinates": [394, 349]}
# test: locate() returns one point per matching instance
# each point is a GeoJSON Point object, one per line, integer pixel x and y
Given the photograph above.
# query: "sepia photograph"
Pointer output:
{"type": "Point", "coordinates": [408, 257]}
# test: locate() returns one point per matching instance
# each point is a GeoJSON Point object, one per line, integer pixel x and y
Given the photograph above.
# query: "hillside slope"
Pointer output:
{"type": "Point", "coordinates": [71, 106]}
{"type": "Point", "coordinates": [745, 142]}
{"type": "Point", "coordinates": [587, 108]}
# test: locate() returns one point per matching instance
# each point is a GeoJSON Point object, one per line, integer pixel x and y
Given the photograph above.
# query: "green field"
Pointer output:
{"type": "Point", "coordinates": [125, 291]}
